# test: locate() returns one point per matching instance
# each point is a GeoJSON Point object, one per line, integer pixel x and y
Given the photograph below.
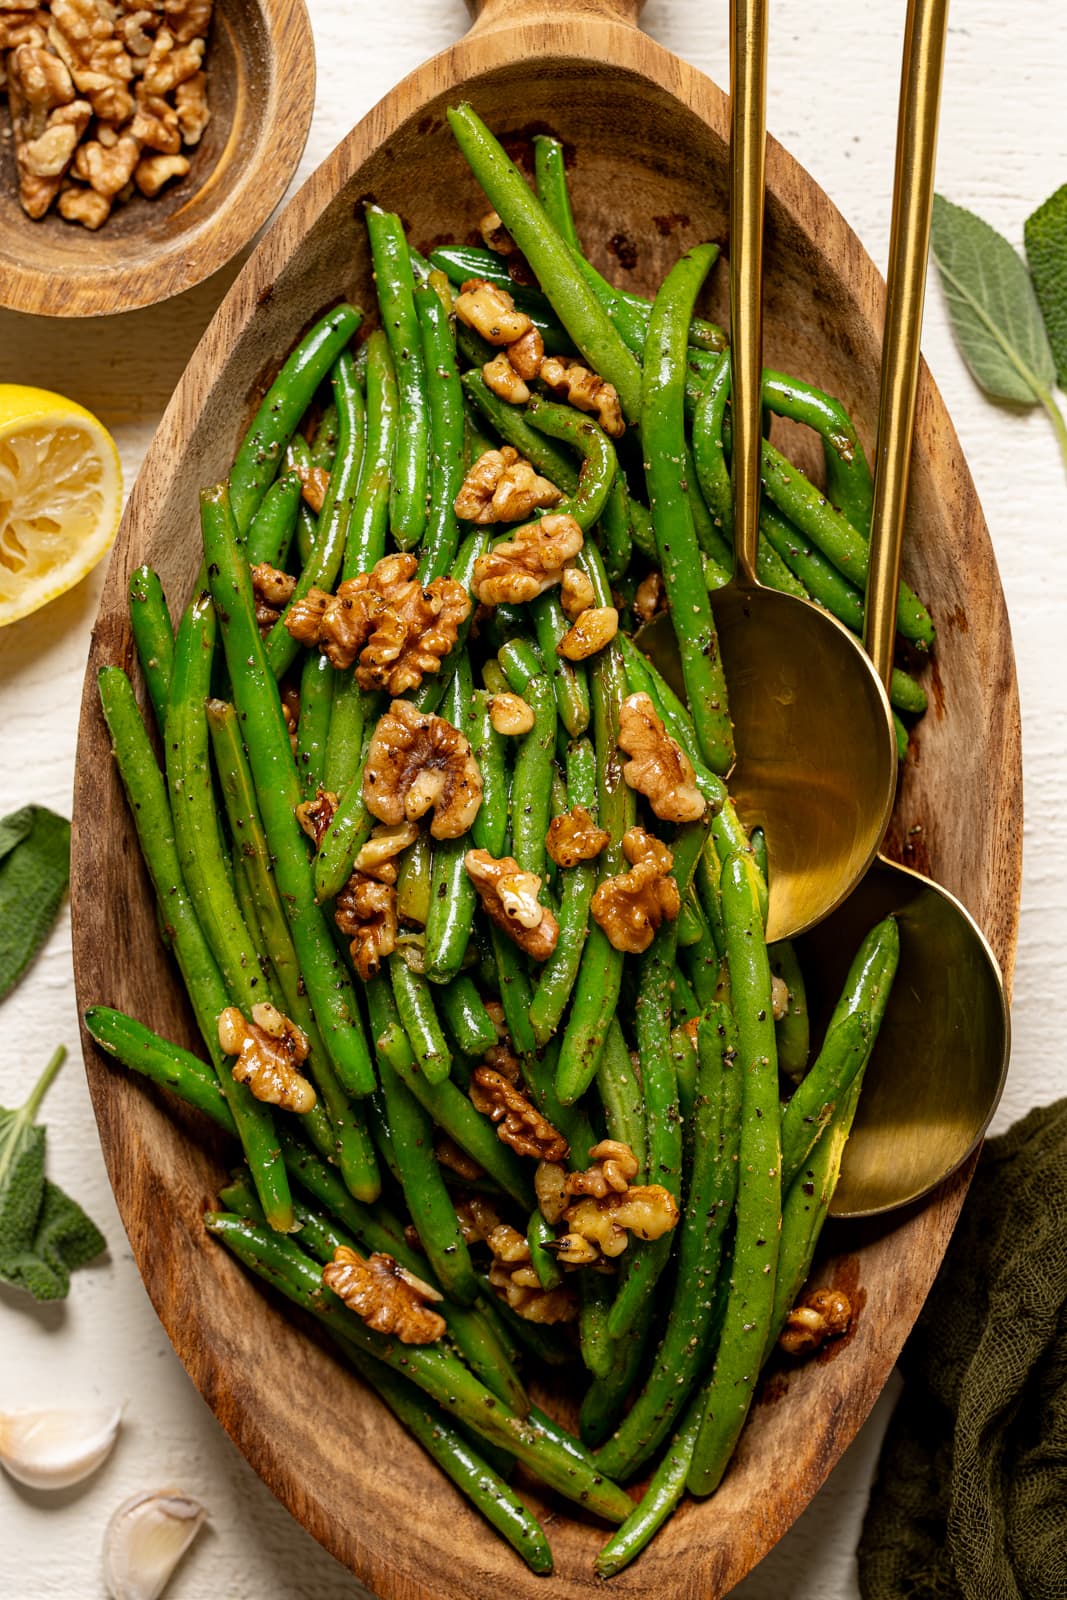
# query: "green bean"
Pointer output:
{"type": "Point", "coordinates": [298, 460]}
{"type": "Point", "coordinates": [729, 1393]}
{"type": "Point", "coordinates": [684, 1057]}
{"type": "Point", "coordinates": [415, 1005]}
{"type": "Point", "coordinates": [813, 1102]}
{"type": "Point", "coordinates": [489, 830]}
{"type": "Point", "coordinates": [316, 700]}
{"type": "Point", "coordinates": [540, 1237]}
{"type": "Point", "coordinates": [558, 973]}
{"type": "Point", "coordinates": [153, 634]}
{"type": "Point", "coordinates": [465, 1016]}
{"type": "Point", "coordinates": [513, 428]}
{"type": "Point", "coordinates": [587, 501]}
{"type": "Point", "coordinates": [173, 1068]}
{"type": "Point", "coordinates": [550, 258]}
{"type": "Point", "coordinates": [348, 1140]}
{"type": "Point", "coordinates": [600, 970]}
{"type": "Point", "coordinates": [433, 688]}
{"type": "Point", "coordinates": [622, 1096]}
{"type": "Point", "coordinates": [605, 1397]}
{"type": "Point", "coordinates": [270, 535]}
{"type": "Point", "coordinates": [901, 734]}
{"type": "Point", "coordinates": [324, 445]}
{"type": "Point", "coordinates": [570, 681]}
{"type": "Point", "coordinates": [689, 1333]}
{"type": "Point", "coordinates": [409, 495]}
{"type": "Point", "coordinates": [351, 710]}
{"type": "Point", "coordinates": [791, 1031]}
{"type": "Point", "coordinates": [663, 440]}
{"type": "Point", "coordinates": [595, 1290]}
{"type": "Point", "coordinates": [521, 662]}
{"type": "Point", "coordinates": [476, 441]}
{"type": "Point", "coordinates": [691, 925]}
{"type": "Point", "coordinates": [428, 1201]}
{"type": "Point", "coordinates": [684, 1003]}
{"type": "Point", "coordinates": [453, 898]}
{"type": "Point", "coordinates": [373, 1227]}
{"type": "Point", "coordinates": [539, 1076]}
{"type": "Point", "coordinates": [278, 792]}
{"type": "Point", "coordinates": [514, 987]}
{"type": "Point", "coordinates": [413, 884]}
{"type": "Point", "coordinates": [550, 175]}
{"type": "Point", "coordinates": [368, 525]}
{"type": "Point", "coordinates": [438, 1374]}
{"type": "Point", "coordinates": [658, 1502]}
{"type": "Point", "coordinates": [848, 477]}
{"type": "Point", "coordinates": [150, 809]}
{"type": "Point", "coordinates": [348, 832]}
{"type": "Point", "coordinates": [446, 433]}
{"type": "Point", "coordinates": [324, 563]}
{"type": "Point", "coordinates": [281, 409]}
{"type": "Point", "coordinates": [531, 788]}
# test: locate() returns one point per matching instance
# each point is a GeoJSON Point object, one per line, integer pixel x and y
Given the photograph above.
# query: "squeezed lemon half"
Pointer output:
{"type": "Point", "coordinates": [60, 496]}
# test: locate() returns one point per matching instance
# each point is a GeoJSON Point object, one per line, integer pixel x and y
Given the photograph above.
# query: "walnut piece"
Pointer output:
{"type": "Point", "coordinates": [79, 204]}
{"type": "Point", "coordinates": [269, 1050]}
{"type": "Point", "coordinates": [155, 123]}
{"type": "Point", "coordinates": [365, 911]}
{"type": "Point", "coordinates": [613, 1168]}
{"type": "Point", "coordinates": [314, 481]}
{"type": "Point", "coordinates": [170, 63]}
{"type": "Point", "coordinates": [519, 1123]}
{"type": "Point", "coordinates": [398, 629]}
{"type": "Point", "coordinates": [650, 597]}
{"type": "Point", "coordinates": [490, 311]}
{"type": "Point", "coordinates": [510, 897]}
{"type": "Point", "coordinates": [594, 628]}
{"type": "Point", "coordinates": [512, 1274]}
{"type": "Point", "coordinates": [107, 169]}
{"type": "Point", "coordinates": [272, 591]}
{"type": "Point", "coordinates": [607, 1220]}
{"type": "Point", "coordinates": [510, 715]}
{"type": "Point", "coordinates": [576, 592]}
{"type": "Point", "coordinates": [384, 1295]}
{"type": "Point", "coordinates": [528, 563]}
{"type": "Point", "coordinates": [416, 763]}
{"type": "Point", "coordinates": [574, 836]}
{"type": "Point", "coordinates": [659, 768]}
{"type": "Point", "coordinates": [450, 1155]}
{"type": "Point", "coordinates": [500, 376]}
{"type": "Point", "coordinates": [315, 816]}
{"type": "Point", "coordinates": [152, 172]}
{"type": "Point", "coordinates": [494, 234]}
{"type": "Point", "coordinates": [377, 857]}
{"type": "Point", "coordinates": [550, 1187]}
{"type": "Point", "coordinates": [502, 486]}
{"type": "Point", "coordinates": [570, 381]}
{"type": "Point", "coordinates": [190, 103]}
{"type": "Point", "coordinates": [779, 997]}
{"type": "Point", "coordinates": [526, 354]}
{"type": "Point", "coordinates": [819, 1314]}
{"type": "Point", "coordinates": [631, 906]}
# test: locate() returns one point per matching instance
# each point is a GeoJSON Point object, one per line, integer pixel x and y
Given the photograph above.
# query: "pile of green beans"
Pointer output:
{"type": "Point", "coordinates": [695, 1053]}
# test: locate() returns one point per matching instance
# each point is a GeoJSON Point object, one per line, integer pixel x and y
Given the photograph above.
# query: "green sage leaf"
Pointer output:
{"type": "Point", "coordinates": [44, 1234]}
{"type": "Point", "coordinates": [1045, 237]}
{"type": "Point", "coordinates": [34, 871]}
{"type": "Point", "coordinates": [994, 310]}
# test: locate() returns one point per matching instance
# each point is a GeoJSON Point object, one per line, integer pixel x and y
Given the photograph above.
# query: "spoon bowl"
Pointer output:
{"type": "Point", "coordinates": [648, 137]}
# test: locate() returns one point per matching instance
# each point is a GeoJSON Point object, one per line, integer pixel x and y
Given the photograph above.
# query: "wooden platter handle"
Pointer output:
{"type": "Point", "coordinates": [489, 15]}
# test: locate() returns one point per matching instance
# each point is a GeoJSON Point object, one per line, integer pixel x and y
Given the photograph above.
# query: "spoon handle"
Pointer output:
{"type": "Point", "coordinates": [748, 139]}
{"type": "Point", "coordinates": [909, 242]}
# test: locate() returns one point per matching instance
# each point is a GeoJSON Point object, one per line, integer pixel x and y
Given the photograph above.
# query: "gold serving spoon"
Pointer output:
{"type": "Point", "coordinates": [938, 1068]}
{"type": "Point", "coordinates": [816, 759]}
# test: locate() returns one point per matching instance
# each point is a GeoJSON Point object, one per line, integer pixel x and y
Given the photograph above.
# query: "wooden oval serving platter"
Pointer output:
{"type": "Point", "coordinates": [648, 136]}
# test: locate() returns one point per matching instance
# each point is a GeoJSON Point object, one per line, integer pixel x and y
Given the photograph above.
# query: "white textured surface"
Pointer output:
{"type": "Point", "coordinates": [833, 82]}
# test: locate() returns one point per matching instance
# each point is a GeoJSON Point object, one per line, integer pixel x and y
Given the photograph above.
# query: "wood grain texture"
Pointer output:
{"type": "Point", "coordinates": [649, 179]}
{"type": "Point", "coordinates": [261, 91]}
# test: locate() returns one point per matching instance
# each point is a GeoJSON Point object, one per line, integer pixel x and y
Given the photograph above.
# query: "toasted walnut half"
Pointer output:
{"type": "Point", "coordinates": [528, 563]}
{"type": "Point", "coordinates": [510, 897]}
{"type": "Point", "coordinates": [606, 1221]}
{"type": "Point", "coordinates": [190, 100]}
{"type": "Point", "coordinates": [631, 906]}
{"type": "Point", "coordinates": [526, 354]}
{"type": "Point", "coordinates": [315, 816]}
{"type": "Point", "coordinates": [819, 1315]}
{"type": "Point", "coordinates": [512, 1274]}
{"type": "Point", "coordinates": [365, 911]}
{"type": "Point", "coordinates": [384, 1295]}
{"type": "Point", "coordinates": [576, 592]}
{"type": "Point", "coordinates": [152, 172]}
{"type": "Point", "coordinates": [570, 381]}
{"type": "Point", "coordinates": [510, 714]}
{"type": "Point", "coordinates": [519, 1123]}
{"type": "Point", "coordinates": [377, 858]}
{"type": "Point", "coordinates": [398, 629]}
{"type": "Point", "coordinates": [574, 837]}
{"type": "Point", "coordinates": [594, 628]}
{"type": "Point", "coordinates": [612, 1170]}
{"type": "Point", "coordinates": [659, 768]}
{"type": "Point", "coordinates": [500, 376]}
{"type": "Point", "coordinates": [272, 591]}
{"type": "Point", "coordinates": [650, 597]}
{"type": "Point", "coordinates": [416, 763]}
{"type": "Point", "coordinates": [269, 1050]}
{"type": "Point", "coordinates": [494, 234]}
{"type": "Point", "coordinates": [490, 311]}
{"type": "Point", "coordinates": [502, 486]}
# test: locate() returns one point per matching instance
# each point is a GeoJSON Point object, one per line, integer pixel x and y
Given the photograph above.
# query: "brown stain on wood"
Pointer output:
{"type": "Point", "coordinates": [653, 136]}
{"type": "Point", "coordinates": [261, 91]}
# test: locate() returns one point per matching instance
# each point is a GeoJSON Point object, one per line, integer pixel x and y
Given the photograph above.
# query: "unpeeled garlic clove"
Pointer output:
{"type": "Point", "coordinates": [145, 1539]}
{"type": "Point", "coordinates": [55, 1447]}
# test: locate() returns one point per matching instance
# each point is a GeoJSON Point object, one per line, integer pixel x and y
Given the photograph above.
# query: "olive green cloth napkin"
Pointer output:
{"type": "Point", "coordinates": [970, 1502]}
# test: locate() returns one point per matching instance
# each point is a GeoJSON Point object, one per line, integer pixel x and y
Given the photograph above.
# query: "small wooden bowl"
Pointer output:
{"type": "Point", "coordinates": [261, 92]}
{"type": "Point", "coordinates": [649, 177]}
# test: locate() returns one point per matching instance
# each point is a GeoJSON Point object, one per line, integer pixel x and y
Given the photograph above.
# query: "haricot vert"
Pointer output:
{"type": "Point", "coordinates": [466, 868]}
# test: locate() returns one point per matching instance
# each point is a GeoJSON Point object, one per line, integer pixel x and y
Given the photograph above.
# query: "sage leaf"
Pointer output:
{"type": "Point", "coordinates": [34, 871]}
{"type": "Point", "coordinates": [994, 311]}
{"type": "Point", "coordinates": [44, 1234]}
{"type": "Point", "coordinates": [1045, 238]}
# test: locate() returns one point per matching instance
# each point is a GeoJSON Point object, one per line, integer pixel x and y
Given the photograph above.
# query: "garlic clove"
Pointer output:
{"type": "Point", "coordinates": [55, 1447]}
{"type": "Point", "coordinates": [145, 1539]}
